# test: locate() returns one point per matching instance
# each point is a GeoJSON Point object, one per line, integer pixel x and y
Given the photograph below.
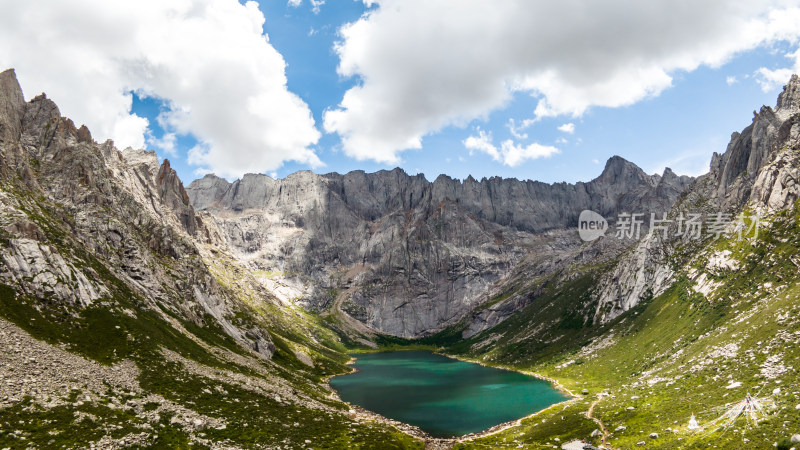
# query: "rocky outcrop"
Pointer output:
{"type": "Point", "coordinates": [48, 274]}
{"type": "Point", "coordinates": [12, 106]}
{"type": "Point", "coordinates": [83, 223]}
{"type": "Point", "coordinates": [174, 196]}
{"type": "Point", "coordinates": [643, 272]}
{"type": "Point", "coordinates": [777, 186]}
{"type": "Point", "coordinates": [733, 174]}
{"type": "Point", "coordinates": [759, 169]}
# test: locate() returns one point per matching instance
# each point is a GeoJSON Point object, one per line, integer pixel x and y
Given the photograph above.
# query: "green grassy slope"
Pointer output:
{"type": "Point", "coordinates": [672, 356]}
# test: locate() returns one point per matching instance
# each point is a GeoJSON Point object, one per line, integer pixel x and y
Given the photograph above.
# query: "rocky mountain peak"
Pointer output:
{"type": "Point", "coordinates": [12, 106]}
{"type": "Point", "coordinates": [168, 180]}
{"type": "Point", "coordinates": [790, 97]}
{"type": "Point", "coordinates": [619, 169]}
{"type": "Point", "coordinates": [171, 191]}
{"type": "Point", "coordinates": [84, 135]}
{"type": "Point", "coordinates": [735, 171]}
{"type": "Point", "coordinates": [208, 190]}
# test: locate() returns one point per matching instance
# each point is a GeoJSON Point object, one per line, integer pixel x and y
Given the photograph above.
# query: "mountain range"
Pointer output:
{"type": "Point", "coordinates": [135, 311]}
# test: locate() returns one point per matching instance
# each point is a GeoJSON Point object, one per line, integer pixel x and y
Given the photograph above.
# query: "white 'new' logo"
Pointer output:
{"type": "Point", "coordinates": [591, 226]}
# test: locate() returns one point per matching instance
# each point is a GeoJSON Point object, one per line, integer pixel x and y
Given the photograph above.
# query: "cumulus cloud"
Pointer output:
{"type": "Point", "coordinates": [568, 128]}
{"type": "Point", "coordinates": [208, 60]}
{"type": "Point", "coordinates": [509, 152]}
{"type": "Point", "coordinates": [770, 79]}
{"type": "Point", "coordinates": [165, 143]}
{"type": "Point", "coordinates": [423, 65]}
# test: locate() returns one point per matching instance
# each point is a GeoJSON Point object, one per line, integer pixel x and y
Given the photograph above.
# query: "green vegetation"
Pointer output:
{"type": "Point", "coordinates": [126, 327]}
{"type": "Point", "coordinates": [71, 426]}
{"type": "Point", "coordinates": [671, 356]}
{"type": "Point", "coordinates": [662, 361]}
{"type": "Point", "coordinates": [104, 334]}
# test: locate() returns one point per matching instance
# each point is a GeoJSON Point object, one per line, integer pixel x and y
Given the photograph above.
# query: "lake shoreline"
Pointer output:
{"type": "Point", "coordinates": [361, 414]}
{"type": "Point", "coordinates": [512, 423]}
{"type": "Point", "coordinates": [364, 415]}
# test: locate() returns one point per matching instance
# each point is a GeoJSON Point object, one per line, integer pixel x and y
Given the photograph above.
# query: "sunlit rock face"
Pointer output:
{"type": "Point", "coordinates": [71, 208]}
{"type": "Point", "coordinates": [758, 171]}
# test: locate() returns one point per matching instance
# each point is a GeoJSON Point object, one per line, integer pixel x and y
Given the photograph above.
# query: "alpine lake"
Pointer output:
{"type": "Point", "coordinates": [442, 396]}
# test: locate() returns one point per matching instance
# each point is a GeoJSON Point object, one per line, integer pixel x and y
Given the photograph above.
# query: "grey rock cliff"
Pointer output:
{"type": "Point", "coordinates": [733, 173]}
{"type": "Point", "coordinates": [71, 208]}
{"type": "Point", "coordinates": [404, 255]}
{"type": "Point", "coordinates": [760, 169]}
{"type": "Point", "coordinates": [12, 106]}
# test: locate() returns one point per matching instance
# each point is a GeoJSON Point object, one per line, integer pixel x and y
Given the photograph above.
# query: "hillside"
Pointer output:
{"type": "Point", "coordinates": [123, 325]}
{"type": "Point", "coordinates": [718, 318]}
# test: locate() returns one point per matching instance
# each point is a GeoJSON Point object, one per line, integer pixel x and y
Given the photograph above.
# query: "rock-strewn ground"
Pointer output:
{"type": "Point", "coordinates": [39, 376]}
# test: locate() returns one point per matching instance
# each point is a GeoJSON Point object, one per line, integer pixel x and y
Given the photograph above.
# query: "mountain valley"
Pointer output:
{"type": "Point", "coordinates": [139, 312]}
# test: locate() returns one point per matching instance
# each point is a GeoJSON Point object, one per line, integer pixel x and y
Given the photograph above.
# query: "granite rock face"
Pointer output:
{"type": "Point", "coordinates": [733, 174]}
{"type": "Point", "coordinates": [78, 218]}
{"type": "Point", "coordinates": [760, 169]}
{"type": "Point", "coordinates": [12, 106]}
{"type": "Point", "coordinates": [404, 255]}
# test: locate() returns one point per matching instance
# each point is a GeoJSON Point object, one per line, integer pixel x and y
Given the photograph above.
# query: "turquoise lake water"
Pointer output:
{"type": "Point", "coordinates": [442, 396]}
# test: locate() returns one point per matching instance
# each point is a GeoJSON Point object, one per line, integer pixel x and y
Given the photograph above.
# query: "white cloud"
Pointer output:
{"type": "Point", "coordinates": [315, 4]}
{"type": "Point", "coordinates": [731, 80]}
{"type": "Point", "coordinates": [517, 130]}
{"type": "Point", "coordinates": [561, 141]}
{"type": "Point", "coordinates": [483, 143]}
{"type": "Point", "coordinates": [691, 161]}
{"type": "Point", "coordinates": [509, 153]}
{"type": "Point", "coordinates": [166, 143]}
{"type": "Point", "coordinates": [423, 65]}
{"type": "Point", "coordinates": [207, 59]}
{"type": "Point", "coordinates": [770, 79]}
{"type": "Point", "coordinates": [514, 154]}
{"type": "Point", "coordinates": [568, 128]}
{"type": "Point", "coordinates": [596, 161]}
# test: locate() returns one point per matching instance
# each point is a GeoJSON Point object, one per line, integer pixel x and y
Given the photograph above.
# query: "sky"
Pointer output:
{"type": "Point", "coordinates": [531, 90]}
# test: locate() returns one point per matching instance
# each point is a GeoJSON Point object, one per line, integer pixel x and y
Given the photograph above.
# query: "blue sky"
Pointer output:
{"type": "Point", "coordinates": [680, 128]}
{"type": "Point", "coordinates": [661, 83]}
